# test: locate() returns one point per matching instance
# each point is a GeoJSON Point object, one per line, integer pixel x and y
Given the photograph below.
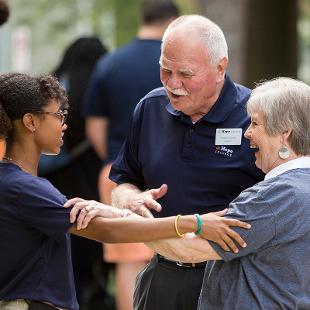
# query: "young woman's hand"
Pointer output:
{"type": "Point", "coordinates": [216, 228]}
{"type": "Point", "coordinates": [83, 211]}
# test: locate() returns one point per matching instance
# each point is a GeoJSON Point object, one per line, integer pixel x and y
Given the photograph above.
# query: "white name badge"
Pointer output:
{"type": "Point", "coordinates": [228, 136]}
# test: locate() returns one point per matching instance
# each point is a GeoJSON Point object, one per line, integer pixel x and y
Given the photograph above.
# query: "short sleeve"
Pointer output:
{"type": "Point", "coordinates": [40, 205]}
{"type": "Point", "coordinates": [126, 167]}
{"type": "Point", "coordinates": [251, 206]}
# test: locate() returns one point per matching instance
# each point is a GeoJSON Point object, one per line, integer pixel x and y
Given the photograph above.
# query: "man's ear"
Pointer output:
{"type": "Point", "coordinates": [221, 68]}
{"type": "Point", "coordinates": [29, 122]}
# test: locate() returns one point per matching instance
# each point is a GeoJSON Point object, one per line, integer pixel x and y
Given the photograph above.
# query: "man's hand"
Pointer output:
{"type": "Point", "coordinates": [217, 229]}
{"type": "Point", "coordinates": [140, 203]}
{"type": "Point", "coordinates": [84, 211]}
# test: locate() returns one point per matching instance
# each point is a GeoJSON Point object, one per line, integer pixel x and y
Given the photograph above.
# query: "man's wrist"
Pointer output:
{"type": "Point", "coordinates": [124, 195]}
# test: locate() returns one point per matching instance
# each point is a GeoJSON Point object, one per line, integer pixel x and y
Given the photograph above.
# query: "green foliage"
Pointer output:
{"type": "Point", "coordinates": [55, 24]}
{"type": "Point", "coordinates": [127, 20]}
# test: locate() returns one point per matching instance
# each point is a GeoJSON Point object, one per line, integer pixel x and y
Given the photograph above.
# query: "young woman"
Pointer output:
{"type": "Point", "coordinates": [36, 269]}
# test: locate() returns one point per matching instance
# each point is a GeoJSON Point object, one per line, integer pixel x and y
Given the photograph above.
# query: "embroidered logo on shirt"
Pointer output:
{"type": "Point", "coordinates": [223, 150]}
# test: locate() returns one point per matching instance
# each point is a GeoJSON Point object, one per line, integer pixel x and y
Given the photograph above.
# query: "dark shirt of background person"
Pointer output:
{"type": "Point", "coordinates": [4, 12]}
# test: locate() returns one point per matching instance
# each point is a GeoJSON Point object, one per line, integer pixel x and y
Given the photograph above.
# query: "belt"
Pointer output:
{"type": "Point", "coordinates": [163, 259]}
{"type": "Point", "coordinates": [38, 305]}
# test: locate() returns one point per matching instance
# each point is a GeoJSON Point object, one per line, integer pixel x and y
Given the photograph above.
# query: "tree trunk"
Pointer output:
{"type": "Point", "coordinates": [271, 40]}
{"type": "Point", "coordinates": [231, 18]}
{"type": "Point", "coordinates": [261, 36]}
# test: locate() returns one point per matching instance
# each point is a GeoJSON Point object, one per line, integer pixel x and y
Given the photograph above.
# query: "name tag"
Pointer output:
{"type": "Point", "coordinates": [228, 136]}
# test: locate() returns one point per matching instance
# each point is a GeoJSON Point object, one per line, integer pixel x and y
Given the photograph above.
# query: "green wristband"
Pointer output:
{"type": "Point", "coordinates": [199, 224]}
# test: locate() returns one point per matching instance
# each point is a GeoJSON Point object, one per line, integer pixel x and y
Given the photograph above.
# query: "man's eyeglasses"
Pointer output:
{"type": "Point", "coordinates": [62, 115]}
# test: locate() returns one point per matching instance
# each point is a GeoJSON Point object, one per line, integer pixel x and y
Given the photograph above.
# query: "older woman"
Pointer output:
{"type": "Point", "coordinates": [273, 271]}
{"type": "Point", "coordinates": [36, 268]}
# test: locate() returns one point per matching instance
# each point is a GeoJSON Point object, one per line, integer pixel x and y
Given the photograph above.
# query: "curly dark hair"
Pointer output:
{"type": "Point", "coordinates": [21, 93]}
{"type": "Point", "coordinates": [4, 12]}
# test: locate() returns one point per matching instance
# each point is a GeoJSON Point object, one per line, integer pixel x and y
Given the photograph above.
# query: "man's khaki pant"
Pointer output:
{"type": "Point", "coordinates": [17, 304]}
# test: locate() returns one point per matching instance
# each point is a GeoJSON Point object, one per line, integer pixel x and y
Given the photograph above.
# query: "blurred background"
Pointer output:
{"type": "Point", "coordinates": [266, 38]}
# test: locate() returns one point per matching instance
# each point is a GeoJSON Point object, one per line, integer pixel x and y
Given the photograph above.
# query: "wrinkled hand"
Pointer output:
{"type": "Point", "coordinates": [142, 202]}
{"type": "Point", "coordinates": [217, 229]}
{"type": "Point", "coordinates": [84, 211]}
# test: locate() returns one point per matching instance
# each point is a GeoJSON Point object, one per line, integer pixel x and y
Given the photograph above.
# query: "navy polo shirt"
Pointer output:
{"type": "Point", "coordinates": [164, 146]}
{"type": "Point", "coordinates": [119, 81]}
{"type": "Point", "coordinates": [35, 251]}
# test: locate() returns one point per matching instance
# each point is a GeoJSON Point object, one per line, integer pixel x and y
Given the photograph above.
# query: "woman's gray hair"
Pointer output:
{"type": "Point", "coordinates": [210, 33]}
{"type": "Point", "coordinates": [285, 105]}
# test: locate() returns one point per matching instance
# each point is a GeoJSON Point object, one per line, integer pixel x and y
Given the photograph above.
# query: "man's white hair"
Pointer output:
{"type": "Point", "coordinates": [195, 26]}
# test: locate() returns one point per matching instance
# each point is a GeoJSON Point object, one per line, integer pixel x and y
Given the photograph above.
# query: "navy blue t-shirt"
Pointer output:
{"type": "Point", "coordinates": [35, 247]}
{"type": "Point", "coordinates": [119, 81]}
{"type": "Point", "coordinates": [164, 146]}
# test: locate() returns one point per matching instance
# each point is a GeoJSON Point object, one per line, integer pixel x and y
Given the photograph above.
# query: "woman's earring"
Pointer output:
{"type": "Point", "coordinates": [284, 152]}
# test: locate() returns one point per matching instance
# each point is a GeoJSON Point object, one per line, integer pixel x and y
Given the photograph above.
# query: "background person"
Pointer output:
{"type": "Point", "coordinates": [4, 12]}
{"type": "Point", "coordinates": [4, 128]}
{"type": "Point", "coordinates": [119, 81]}
{"type": "Point", "coordinates": [187, 135]}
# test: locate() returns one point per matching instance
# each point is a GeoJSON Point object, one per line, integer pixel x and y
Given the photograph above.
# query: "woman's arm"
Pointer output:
{"type": "Point", "coordinates": [107, 224]}
{"type": "Point", "coordinates": [189, 249]}
{"type": "Point", "coordinates": [133, 229]}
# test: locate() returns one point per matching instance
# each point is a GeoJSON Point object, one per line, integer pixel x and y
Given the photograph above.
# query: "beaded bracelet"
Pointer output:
{"type": "Point", "coordinates": [199, 224]}
{"type": "Point", "coordinates": [176, 220]}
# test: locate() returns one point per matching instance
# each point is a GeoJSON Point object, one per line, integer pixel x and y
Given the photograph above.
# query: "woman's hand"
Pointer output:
{"type": "Point", "coordinates": [83, 211]}
{"type": "Point", "coordinates": [217, 228]}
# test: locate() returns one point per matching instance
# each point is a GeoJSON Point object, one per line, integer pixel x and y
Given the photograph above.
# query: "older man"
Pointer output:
{"type": "Point", "coordinates": [188, 135]}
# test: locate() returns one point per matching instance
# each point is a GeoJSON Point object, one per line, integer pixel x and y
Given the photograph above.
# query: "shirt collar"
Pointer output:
{"type": "Point", "coordinates": [172, 110]}
{"type": "Point", "coordinates": [221, 108]}
{"type": "Point", "coordinates": [300, 162]}
{"type": "Point", "coordinates": [224, 104]}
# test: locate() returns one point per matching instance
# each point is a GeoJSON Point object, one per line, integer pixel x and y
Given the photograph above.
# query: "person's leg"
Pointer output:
{"type": "Point", "coordinates": [129, 258]}
{"type": "Point", "coordinates": [167, 286]}
{"type": "Point", "coordinates": [126, 274]}
{"type": "Point", "coordinates": [2, 148]}
{"type": "Point", "coordinates": [105, 185]}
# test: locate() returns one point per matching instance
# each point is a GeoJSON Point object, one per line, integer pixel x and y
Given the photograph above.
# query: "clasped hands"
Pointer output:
{"type": "Point", "coordinates": [215, 227]}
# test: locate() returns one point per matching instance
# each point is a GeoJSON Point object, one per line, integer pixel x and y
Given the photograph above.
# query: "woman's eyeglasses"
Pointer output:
{"type": "Point", "coordinates": [62, 115]}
